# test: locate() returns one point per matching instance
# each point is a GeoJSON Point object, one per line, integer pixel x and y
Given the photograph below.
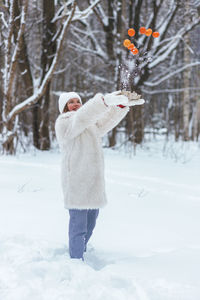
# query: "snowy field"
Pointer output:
{"type": "Point", "coordinates": [146, 245]}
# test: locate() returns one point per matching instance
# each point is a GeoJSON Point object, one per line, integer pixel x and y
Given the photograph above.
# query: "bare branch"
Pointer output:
{"type": "Point", "coordinates": [102, 18]}
{"type": "Point", "coordinates": [78, 15]}
{"type": "Point", "coordinates": [167, 91]}
{"type": "Point", "coordinates": [94, 77]}
{"type": "Point", "coordinates": [3, 19]}
{"type": "Point", "coordinates": [165, 51]}
{"type": "Point", "coordinates": [101, 55]}
{"type": "Point", "coordinates": [98, 51]}
{"type": "Point", "coordinates": [85, 13]}
{"type": "Point", "coordinates": [171, 74]}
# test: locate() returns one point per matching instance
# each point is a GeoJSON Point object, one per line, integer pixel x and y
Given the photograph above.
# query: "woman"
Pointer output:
{"type": "Point", "coordinates": [79, 129]}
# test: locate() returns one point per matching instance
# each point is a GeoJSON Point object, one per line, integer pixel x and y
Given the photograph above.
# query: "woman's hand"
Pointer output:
{"type": "Point", "coordinates": [133, 98]}
{"type": "Point", "coordinates": [115, 98]}
{"type": "Point", "coordinates": [136, 102]}
{"type": "Point", "coordinates": [125, 98]}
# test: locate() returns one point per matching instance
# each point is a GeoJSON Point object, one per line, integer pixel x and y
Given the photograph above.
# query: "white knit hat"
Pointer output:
{"type": "Point", "coordinates": [64, 98]}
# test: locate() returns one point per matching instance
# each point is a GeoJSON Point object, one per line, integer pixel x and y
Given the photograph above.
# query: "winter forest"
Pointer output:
{"type": "Point", "coordinates": [47, 47]}
{"type": "Point", "coordinates": [146, 240]}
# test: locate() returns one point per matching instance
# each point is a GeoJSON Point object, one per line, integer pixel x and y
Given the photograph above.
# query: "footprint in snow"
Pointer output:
{"type": "Point", "coordinates": [95, 260]}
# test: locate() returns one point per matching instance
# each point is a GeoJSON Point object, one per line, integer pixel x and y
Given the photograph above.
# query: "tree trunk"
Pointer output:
{"type": "Point", "coordinates": [186, 80]}
{"type": "Point", "coordinates": [138, 124]}
{"type": "Point", "coordinates": [25, 81]}
{"type": "Point", "coordinates": [41, 137]}
{"type": "Point", "coordinates": [196, 130]}
{"type": "Point", "coordinates": [11, 56]}
{"type": "Point", "coordinates": [196, 81]}
{"type": "Point", "coordinates": [197, 121]}
{"type": "Point", "coordinates": [116, 54]}
{"type": "Point", "coordinates": [137, 111]}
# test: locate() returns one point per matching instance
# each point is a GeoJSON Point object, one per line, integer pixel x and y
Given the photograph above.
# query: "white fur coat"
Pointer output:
{"type": "Point", "coordinates": [79, 136]}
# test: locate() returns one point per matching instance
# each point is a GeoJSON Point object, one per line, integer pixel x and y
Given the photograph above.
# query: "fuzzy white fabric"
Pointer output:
{"type": "Point", "coordinates": [64, 98]}
{"type": "Point", "coordinates": [79, 136]}
{"type": "Point", "coordinates": [115, 98]}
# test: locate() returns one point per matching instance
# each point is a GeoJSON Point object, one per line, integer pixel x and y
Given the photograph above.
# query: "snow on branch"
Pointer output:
{"type": "Point", "coordinates": [92, 76]}
{"type": "Point", "coordinates": [89, 50]}
{"type": "Point", "coordinates": [165, 51]}
{"type": "Point", "coordinates": [167, 91]}
{"type": "Point", "coordinates": [163, 25]}
{"type": "Point", "coordinates": [3, 19]}
{"type": "Point", "coordinates": [85, 13]}
{"type": "Point", "coordinates": [101, 16]}
{"type": "Point", "coordinates": [171, 74]}
{"type": "Point", "coordinates": [76, 33]}
{"type": "Point", "coordinates": [88, 32]}
{"type": "Point", "coordinates": [61, 12]}
{"type": "Point", "coordinates": [78, 15]}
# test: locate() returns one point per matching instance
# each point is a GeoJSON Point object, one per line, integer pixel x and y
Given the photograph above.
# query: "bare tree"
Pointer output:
{"type": "Point", "coordinates": [186, 77]}
{"type": "Point", "coordinates": [41, 137]}
{"type": "Point", "coordinates": [10, 65]}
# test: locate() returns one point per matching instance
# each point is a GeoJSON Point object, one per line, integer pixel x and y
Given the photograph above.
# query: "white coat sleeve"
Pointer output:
{"type": "Point", "coordinates": [109, 120]}
{"type": "Point", "coordinates": [71, 126]}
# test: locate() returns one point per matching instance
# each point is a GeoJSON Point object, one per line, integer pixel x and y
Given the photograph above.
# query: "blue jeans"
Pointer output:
{"type": "Point", "coordinates": [81, 225]}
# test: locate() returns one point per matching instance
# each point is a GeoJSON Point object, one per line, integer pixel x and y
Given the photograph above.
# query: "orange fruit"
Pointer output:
{"type": "Point", "coordinates": [135, 51]}
{"type": "Point", "coordinates": [142, 30]}
{"type": "Point", "coordinates": [127, 43]}
{"type": "Point", "coordinates": [148, 32]}
{"type": "Point", "coordinates": [131, 32]}
{"type": "Point", "coordinates": [156, 34]}
{"type": "Point", "coordinates": [131, 47]}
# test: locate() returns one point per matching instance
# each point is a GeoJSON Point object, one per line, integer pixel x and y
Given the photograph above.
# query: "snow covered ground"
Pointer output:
{"type": "Point", "coordinates": [146, 244]}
